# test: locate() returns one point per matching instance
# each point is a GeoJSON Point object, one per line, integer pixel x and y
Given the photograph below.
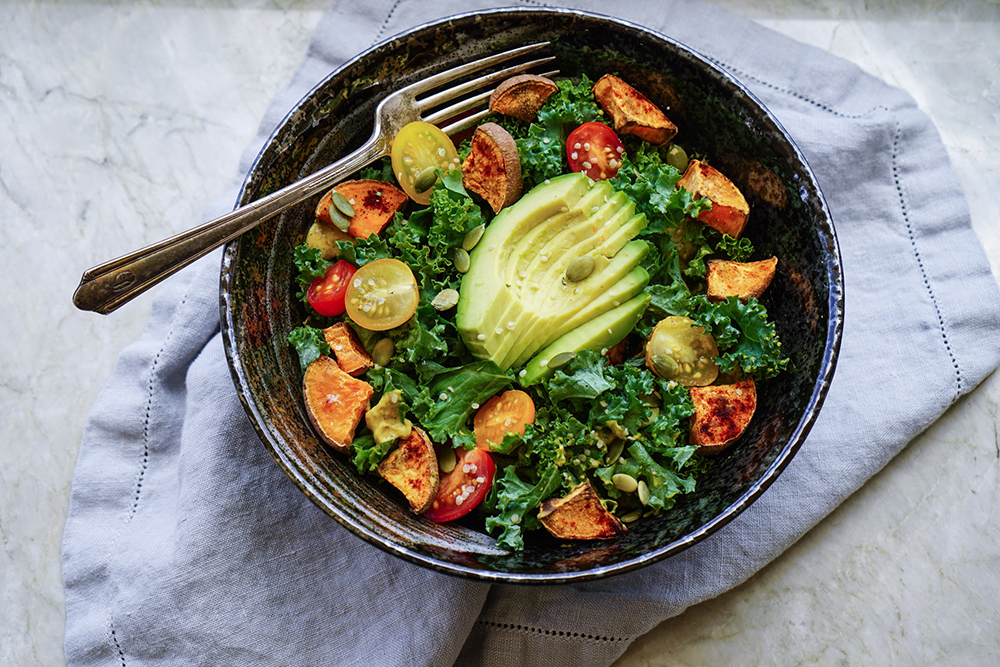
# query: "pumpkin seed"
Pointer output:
{"type": "Point", "coordinates": [580, 268]}
{"type": "Point", "coordinates": [624, 482]}
{"type": "Point", "coordinates": [462, 261]}
{"type": "Point", "coordinates": [561, 359]}
{"type": "Point", "coordinates": [664, 365]}
{"type": "Point", "coordinates": [615, 451]}
{"type": "Point", "coordinates": [632, 516]}
{"type": "Point", "coordinates": [426, 180]}
{"type": "Point", "coordinates": [447, 460]}
{"type": "Point", "coordinates": [383, 351]}
{"type": "Point", "coordinates": [472, 238]}
{"type": "Point", "coordinates": [340, 201]}
{"type": "Point", "coordinates": [643, 490]}
{"type": "Point", "coordinates": [445, 299]}
{"type": "Point", "coordinates": [677, 157]}
{"type": "Point", "coordinates": [339, 220]}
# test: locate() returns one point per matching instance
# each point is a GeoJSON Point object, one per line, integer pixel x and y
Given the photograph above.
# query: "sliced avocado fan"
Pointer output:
{"type": "Point", "coordinates": [517, 299]}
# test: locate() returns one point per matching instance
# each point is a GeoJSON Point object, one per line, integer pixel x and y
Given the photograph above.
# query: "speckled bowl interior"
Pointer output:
{"type": "Point", "coordinates": [717, 117]}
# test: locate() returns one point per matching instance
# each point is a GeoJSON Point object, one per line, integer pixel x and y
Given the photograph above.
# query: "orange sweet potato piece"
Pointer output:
{"type": "Point", "coordinates": [374, 203]}
{"type": "Point", "coordinates": [522, 96]}
{"type": "Point", "coordinates": [721, 414]}
{"type": "Point", "coordinates": [493, 168]}
{"type": "Point", "coordinates": [335, 401]}
{"type": "Point", "coordinates": [350, 354]}
{"type": "Point", "coordinates": [413, 469]}
{"type": "Point", "coordinates": [632, 112]}
{"type": "Point", "coordinates": [729, 209]}
{"type": "Point", "coordinates": [739, 279]}
{"type": "Point", "coordinates": [580, 515]}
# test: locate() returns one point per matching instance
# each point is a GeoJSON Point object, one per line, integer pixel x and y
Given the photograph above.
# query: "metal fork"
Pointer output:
{"type": "Point", "coordinates": [106, 287]}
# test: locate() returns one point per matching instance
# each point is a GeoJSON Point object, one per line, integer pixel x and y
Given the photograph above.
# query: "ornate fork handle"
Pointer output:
{"type": "Point", "coordinates": [108, 286]}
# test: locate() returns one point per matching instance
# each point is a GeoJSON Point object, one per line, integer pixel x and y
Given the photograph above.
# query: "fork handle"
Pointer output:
{"type": "Point", "coordinates": [106, 287]}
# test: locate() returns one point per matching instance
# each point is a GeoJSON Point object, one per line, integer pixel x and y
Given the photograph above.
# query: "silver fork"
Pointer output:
{"type": "Point", "coordinates": [106, 287]}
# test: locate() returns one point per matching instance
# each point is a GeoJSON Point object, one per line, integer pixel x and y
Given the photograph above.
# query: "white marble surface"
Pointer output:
{"type": "Point", "coordinates": [120, 121]}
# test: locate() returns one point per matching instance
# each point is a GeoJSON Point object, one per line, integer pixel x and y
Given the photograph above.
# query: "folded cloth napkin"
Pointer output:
{"type": "Point", "coordinates": [186, 544]}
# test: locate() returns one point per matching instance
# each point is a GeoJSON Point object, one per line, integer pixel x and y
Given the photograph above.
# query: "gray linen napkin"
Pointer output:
{"type": "Point", "coordinates": [185, 544]}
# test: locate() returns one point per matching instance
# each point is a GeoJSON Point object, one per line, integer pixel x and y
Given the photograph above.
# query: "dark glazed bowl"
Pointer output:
{"type": "Point", "coordinates": [717, 117]}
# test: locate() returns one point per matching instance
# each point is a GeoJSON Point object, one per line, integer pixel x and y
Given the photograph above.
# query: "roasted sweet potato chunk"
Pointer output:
{"type": "Point", "coordinates": [522, 96]}
{"type": "Point", "coordinates": [335, 401]}
{"type": "Point", "coordinates": [350, 354]}
{"type": "Point", "coordinates": [374, 203]}
{"type": "Point", "coordinates": [632, 112]}
{"type": "Point", "coordinates": [580, 515]}
{"type": "Point", "coordinates": [493, 168]}
{"type": "Point", "coordinates": [739, 279]}
{"type": "Point", "coordinates": [413, 469]}
{"type": "Point", "coordinates": [721, 414]}
{"type": "Point", "coordinates": [729, 209]}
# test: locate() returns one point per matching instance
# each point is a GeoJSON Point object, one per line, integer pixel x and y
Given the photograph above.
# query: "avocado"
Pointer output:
{"type": "Point", "coordinates": [600, 333]}
{"type": "Point", "coordinates": [516, 299]}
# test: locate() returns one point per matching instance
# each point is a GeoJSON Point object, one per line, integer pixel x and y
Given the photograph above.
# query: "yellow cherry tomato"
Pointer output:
{"type": "Point", "coordinates": [417, 148]}
{"type": "Point", "coordinates": [680, 350]}
{"type": "Point", "coordinates": [382, 295]}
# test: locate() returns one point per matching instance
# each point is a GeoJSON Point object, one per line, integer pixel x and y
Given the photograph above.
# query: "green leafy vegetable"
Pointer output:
{"type": "Point", "coordinates": [309, 343]}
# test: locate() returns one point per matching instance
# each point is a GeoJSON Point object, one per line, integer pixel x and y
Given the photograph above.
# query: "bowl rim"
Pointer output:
{"type": "Point", "coordinates": [834, 313]}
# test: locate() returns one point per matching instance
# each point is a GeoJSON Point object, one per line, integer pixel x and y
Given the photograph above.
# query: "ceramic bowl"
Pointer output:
{"type": "Point", "coordinates": [718, 117]}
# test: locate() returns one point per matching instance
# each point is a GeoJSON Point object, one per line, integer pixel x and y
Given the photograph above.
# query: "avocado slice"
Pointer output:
{"type": "Point", "coordinates": [602, 332]}
{"type": "Point", "coordinates": [515, 300]}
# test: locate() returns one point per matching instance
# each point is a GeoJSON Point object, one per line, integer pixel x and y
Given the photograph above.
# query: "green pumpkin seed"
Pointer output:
{"type": "Point", "coordinates": [561, 359]}
{"type": "Point", "coordinates": [580, 268]}
{"type": "Point", "coordinates": [664, 365]}
{"type": "Point", "coordinates": [677, 157]}
{"type": "Point", "coordinates": [445, 299]}
{"type": "Point", "coordinates": [615, 451]}
{"type": "Point", "coordinates": [472, 238]}
{"type": "Point", "coordinates": [643, 490]}
{"type": "Point", "coordinates": [447, 460]}
{"type": "Point", "coordinates": [462, 260]}
{"type": "Point", "coordinates": [632, 516]}
{"type": "Point", "coordinates": [340, 201]}
{"type": "Point", "coordinates": [339, 220]}
{"type": "Point", "coordinates": [383, 351]}
{"type": "Point", "coordinates": [624, 482]}
{"type": "Point", "coordinates": [426, 180]}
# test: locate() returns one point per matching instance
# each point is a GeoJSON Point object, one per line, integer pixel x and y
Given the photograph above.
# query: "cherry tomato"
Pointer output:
{"type": "Point", "coordinates": [326, 293]}
{"type": "Point", "coordinates": [382, 295]}
{"type": "Point", "coordinates": [419, 147]}
{"type": "Point", "coordinates": [680, 350]}
{"type": "Point", "coordinates": [464, 487]}
{"type": "Point", "coordinates": [508, 413]}
{"type": "Point", "coordinates": [594, 148]}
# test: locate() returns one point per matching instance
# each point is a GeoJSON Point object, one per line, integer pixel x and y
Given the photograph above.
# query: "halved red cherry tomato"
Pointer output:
{"type": "Point", "coordinates": [326, 293]}
{"type": "Point", "coordinates": [507, 413]}
{"type": "Point", "coordinates": [464, 487]}
{"type": "Point", "coordinates": [595, 149]}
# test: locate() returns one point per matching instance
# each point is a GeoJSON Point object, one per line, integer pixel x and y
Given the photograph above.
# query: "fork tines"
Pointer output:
{"type": "Point", "coordinates": [471, 94]}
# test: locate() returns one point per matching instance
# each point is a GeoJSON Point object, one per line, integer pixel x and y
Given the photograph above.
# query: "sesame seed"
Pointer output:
{"type": "Point", "coordinates": [481, 337]}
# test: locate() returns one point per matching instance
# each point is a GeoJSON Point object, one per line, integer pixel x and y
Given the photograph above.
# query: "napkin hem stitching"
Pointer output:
{"type": "Point", "coordinates": [559, 634]}
{"type": "Point", "coordinates": [925, 278]}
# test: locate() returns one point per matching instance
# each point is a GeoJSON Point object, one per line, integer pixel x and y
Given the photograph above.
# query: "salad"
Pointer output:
{"type": "Point", "coordinates": [548, 327]}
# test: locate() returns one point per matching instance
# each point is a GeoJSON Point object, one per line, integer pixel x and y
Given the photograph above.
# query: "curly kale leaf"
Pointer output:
{"type": "Point", "coordinates": [309, 343]}
{"type": "Point", "coordinates": [664, 482]}
{"type": "Point", "coordinates": [511, 504]}
{"type": "Point", "coordinates": [367, 453]}
{"type": "Point", "coordinates": [310, 265]}
{"type": "Point", "coordinates": [450, 396]}
{"type": "Point", "coordinates": [747, 339]}
{"type": "Point", "coordinates": [542, 145]}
